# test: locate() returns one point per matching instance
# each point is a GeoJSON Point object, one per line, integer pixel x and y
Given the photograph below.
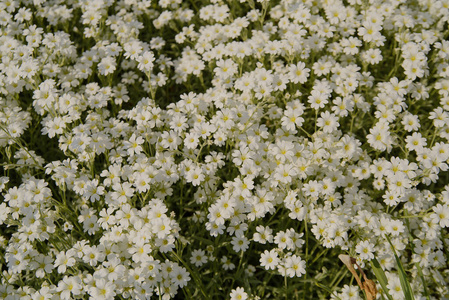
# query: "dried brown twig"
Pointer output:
{"type": "Point", "coordinates": [368, 285]}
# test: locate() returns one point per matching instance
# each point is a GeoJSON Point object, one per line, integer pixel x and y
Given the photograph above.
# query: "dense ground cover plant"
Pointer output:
{"type": "Point", "coordinates": [223, 149]}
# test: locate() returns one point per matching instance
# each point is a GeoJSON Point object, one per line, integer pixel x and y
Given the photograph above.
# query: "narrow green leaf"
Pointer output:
{"type": "Point", "coordinates": [201, 239]}
{"type": "Point", "coordinates": [421, 275]}
{"type": "Point", "coordinates": [325, 288]}
{"type": "Point", "coordinates": [406, 288]}
{"type": "Point", "coordinates": [426, 292]}
{"type": "Point", "coordinates": [381, 277]}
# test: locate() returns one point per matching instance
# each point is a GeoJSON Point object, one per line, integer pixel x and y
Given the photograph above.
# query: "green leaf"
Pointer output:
{"type": "Point", "coordinates": [381, 277]}
{"type": "Point", "coordinates": [201, 239]}
{"type": "Point", "coordinates": [406, 288]}
{"type": "Point", "coordinates": [426, 292]}
{"type": "Point", "coordinates": [328, 290]}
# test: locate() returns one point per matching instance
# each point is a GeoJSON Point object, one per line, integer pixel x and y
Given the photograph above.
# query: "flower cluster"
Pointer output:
{"type": "Point", "coordinates": [155, 148]}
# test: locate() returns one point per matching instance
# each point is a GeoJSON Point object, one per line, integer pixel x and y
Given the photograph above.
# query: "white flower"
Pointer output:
{"type": "Point", "coordinates": [69, 285]}
{"type": "Point", "coordinates": [103, 289]}
{"type": "Point", "coordinates": [284, 173]}
{"type": "Point", "coordinates": [269, 259]}
{"type": "Point", "coordinates": [198, 257]}
{"type": "Point", "coordinates": [395, 227]}
{"type": "Point", "coordinates": [64, 260]}
{"type": "Point", "coordinates": [142, 182]}
{"type": "Point", "coordinates": [133, 146]}
{"type": "Point", "coordinates": [439, 117]}
{"type": "Point", "coordinates": [134, 47]}
{"type": "Point", "coordinates": [395, 288]}
{"type": "Point", "coordinates": [283, 240]}
{"type": "Point", "coordinates": [294, 266]}
{"type": "Point", "coordinates": [4, 212]}
{"type": "Point", "coordinates": [227, 263]}
{"type": "Point", "coordinates": [372, 56]}
{"type": "Point", "coordinates": [297, 211]}
{"type": "Point", "coordinates": [317, 99]}
{"type": "Point", "coordinates": [225, 68]}
{"type": "Point", "coordinates": [410, 122]}
{"type": "Point", "coordinates": [415, 142]}
{"type": "Point", "coordinates": [379, 137]}
{"type": "Point", "coordinates": [195, 176]}
{"type": "Point", "coordinates": [180, 276]}
{"type": "Point", "coordinates": [162, 227]}
{"type": "Point", "coordinates": [328, 121]}
{"type": "Point", "coordinates": [263, 235]}
{"type": "Point", "coordinates": [292, 119]}
{"type": "Point", "coordinates": [365, 250]}
{"type": "Point", "coordinates": [350, 45]}
{"type": "Point", "coordinates": [170, 140]}
{"type": "Point", "coordinates": [239, 243]}
{"type": "Point", "coordinates": [238, 294]}
{"type": "Point", "coordinates": [107, 65]}
{"type": "Point", "coordinates": [145, 61]}
{"type": "Point", "coordinates": [370, 31]}
{"type": "Point", "coordinates": [45, 293]}
{"type": "Point", "coordinates": [45, 265]}
{"type": "Point", "coordinates": [441, 215]}
{"type": "Point", "coordinates": [298, 73]}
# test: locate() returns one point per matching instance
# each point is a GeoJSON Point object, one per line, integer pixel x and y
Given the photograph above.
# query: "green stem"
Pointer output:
{"type": "Point", "coordinates": [433, 137]}
{"type": "Point", "coordinates": [307, 256]}
{"type": "Point", "coordinates": [194, 275]}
